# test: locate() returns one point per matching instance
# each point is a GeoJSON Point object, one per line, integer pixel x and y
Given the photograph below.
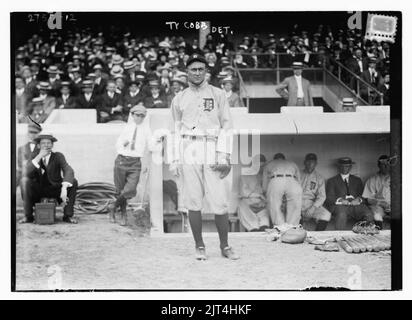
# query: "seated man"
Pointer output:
{"type": "Point", "coordinates": [110, 105]}
{"type": "Point", "coordinates": [377, 191]}
{"type": "Point", "coordinates": [155, 99]}
{"type": "Point", "coordinates": [314, 194]}
{"type": "Point", "coordinates": [44, 180]}
{"type": "Point", "coordinates": [281, 179]}
{"type": "Point", "coordinates": [344, 196]}
{"type": "Point", "coordinates": [66, 100]}
{"type": "Point", "coordinates": [252, 206]}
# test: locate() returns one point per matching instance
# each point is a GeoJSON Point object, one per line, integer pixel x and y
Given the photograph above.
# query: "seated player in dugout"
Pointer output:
{"type": "Point", "coordinates": [281, 180]}
{"type": "Point", "coordinates": [344, 196]}
{"type": "Point", "coordinates": [253, 214]}
{"type": "Point", "coordinates": [377, 191]}
{"type": "Point", "coordinates": [44, 180]}
{"type": "Point", "coordinates": [314, 194]}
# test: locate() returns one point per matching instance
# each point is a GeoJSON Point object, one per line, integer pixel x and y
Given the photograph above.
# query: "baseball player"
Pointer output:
{"type": "Point", "coordinates": [314, 194]}
{"type": "Point", "coordinates": [281, 178]}
{"type": "Point", "coordinates": [377, 191]}
{"type": "Point", "coordinates": [202, 147]}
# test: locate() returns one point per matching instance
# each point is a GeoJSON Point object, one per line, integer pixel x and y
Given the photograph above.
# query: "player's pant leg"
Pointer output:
{"type": "Point", "coordinates": [247, 217]}
{"type": "Point", "coordinates": [132, 177]}
{"type": "Point", "coordinates": [362, 212]}
{"type": "Point", "coordinates": [322, 213]}
{"type": "Point", "coordinates": [193, 190]}
{"type": "Point", "coordinates": [294, 201]}
{"type": "Point", "coordinates": [341, 216]}
{"type": "Point", "coordinates": [263, 218]}
{"type": "Point", "coordinates": [215, 191]}
{"type": "Point", "coordinates": [31, 196]}
{"type": "Point", "coordinates": [71, 195]}
{"type": "Point", "coordinates": [119, 175]}
{"type": "Point", "coordinates": [275, 196]}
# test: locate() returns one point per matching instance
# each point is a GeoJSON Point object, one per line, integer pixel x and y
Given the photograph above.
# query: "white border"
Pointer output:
{"type": "Point", "coordinates": [208, 5]}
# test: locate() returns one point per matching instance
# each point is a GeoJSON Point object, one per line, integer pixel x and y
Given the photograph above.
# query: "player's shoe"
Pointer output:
{"type": "Point", "coordinates": [201, 253]}
{"type": "Point", "coordinates": [229, 253]}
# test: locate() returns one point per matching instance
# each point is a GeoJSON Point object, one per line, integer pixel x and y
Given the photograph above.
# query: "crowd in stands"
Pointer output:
{"type": "Point", "coordinates": [111, 74]}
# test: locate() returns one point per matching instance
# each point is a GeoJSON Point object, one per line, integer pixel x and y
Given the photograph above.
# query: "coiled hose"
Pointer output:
{"type": "Point", "coordinates": [94, 197]}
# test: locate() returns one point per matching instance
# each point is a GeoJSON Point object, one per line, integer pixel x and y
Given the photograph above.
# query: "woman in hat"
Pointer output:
{"type": "Point", "coordinates": [233, 98]}
{"type": "Point", "coordinates": [155, 99]}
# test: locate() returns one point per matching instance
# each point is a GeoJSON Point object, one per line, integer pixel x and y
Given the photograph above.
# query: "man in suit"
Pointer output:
{"type": "Point", "coordinates": [87, 100]}
{"type": "Point", "coordinates": [100, 83]}
{"type": "Point", "coordinates": [54, 80]}
{"type": "Point", "coordinates": [21, 98]}
{"type": "Point", "coordinates": [44, 180]}
{"type": "Point", "coordinates": [296, 89]}
{"type": "Point", "coordinates": [133, 97]}
{"type": "Point", "coordinates": [372, 77]}
{"type": "Point", "coordinates": [385, 89]}
{"type": "Point", "coordinates": [110, 105]}
{"type": "Point", "coordinates": [357, 64]}
{"type": "Point", "coordinates": [29, 82]}
{"type": "Point", "coordinates": [344, 196]}
{"type": "Point", "coordinates": [76, 87]}
{"type": "Point", "coordinates": [155, 99]}
{"type": "Point", "coordinates": [66, 100]}
{"type": "Point", "coordinates": [26, 153]}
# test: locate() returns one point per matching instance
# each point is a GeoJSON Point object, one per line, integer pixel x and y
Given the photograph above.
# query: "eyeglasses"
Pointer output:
{"type": "Point", "coordinates": [139, 115]}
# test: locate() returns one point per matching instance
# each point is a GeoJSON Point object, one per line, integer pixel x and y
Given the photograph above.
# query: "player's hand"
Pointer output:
{"type": "Point", "coordinates": [63, 196]}
{"type": "Point", "coordinates": [43, 153]}
{"type": "Point", "coordinates": [356, 201]}
{"type": "Point", "coordinates": [174, 169]}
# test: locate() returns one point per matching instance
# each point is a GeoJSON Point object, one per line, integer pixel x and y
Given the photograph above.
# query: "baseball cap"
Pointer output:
{"type": "Point", "coordinates": [194, 58]}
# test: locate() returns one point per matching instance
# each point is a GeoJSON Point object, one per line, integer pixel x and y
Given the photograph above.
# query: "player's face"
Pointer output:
{"type": "Point", "coordinates": [310, 165]}
{"type": "Point", "coordinates": [196, 72]}
{"type": "Point", "coordinates": [384, 167]}
{"type": "Point", "coordinates": [138, 118]}
{"type": "Point", "coordinates": [345, 168]}
{"type": "Point", "coordinates": [297, 72]}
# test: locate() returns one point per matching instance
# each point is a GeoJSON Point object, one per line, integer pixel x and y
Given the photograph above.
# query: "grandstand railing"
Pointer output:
{"type": "Point", "coordinates": [340, 80]}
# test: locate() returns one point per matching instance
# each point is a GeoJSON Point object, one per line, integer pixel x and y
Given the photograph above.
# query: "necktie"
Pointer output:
{"type": "Point", "coordinates": [134, 138]}
{"type": "Point", "coordinates": [45, 161]}
{"type": "Point", "coordinates": [347, 187]}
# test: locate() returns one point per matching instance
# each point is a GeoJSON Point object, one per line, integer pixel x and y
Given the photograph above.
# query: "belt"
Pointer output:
{"type": "Point", "coordinates": [283, 176]}
{"type": "Point", "coordinates": [201, 138]}
{"type": "Point", "coordinates": [128, 158]}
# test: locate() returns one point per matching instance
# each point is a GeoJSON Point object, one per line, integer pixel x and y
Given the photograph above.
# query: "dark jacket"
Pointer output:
{"type": "Point", "coordinates": [336, 188]}
{"type": "Point", "coordinates": [58, 170]}
{"type": "Point", "coordinates": [82, 103]}
{"type": "Point", "coordinates": [70, 103]}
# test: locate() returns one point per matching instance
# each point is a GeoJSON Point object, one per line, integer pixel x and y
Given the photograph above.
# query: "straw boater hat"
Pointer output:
{"type": "Point", "coordinates": [297, 65]}
{"type": "Point", "coordinates": [65, 84]}
{"type": "Point", "coordinates": [117, 59]}
{"type": "Point", "coordinates": [116, 69]}
{"type": "Point", "coordinates": [97, 67]}
{"type": "Point", "coordinates": [154, 83]}
{"type": "Point", "coordinates": [348, 102]}
{"type": "Point", "coordinates": [129, 65]}
{"type": "Point", "coordinates": [139, 109]}
{"type": "Point", "coordinates": [43, 85]}
{"type": "Point", "coordinates": [87, 83]}
{"type": "Point", "coordinates": [37, 101]}
{"type": "Point", "coordinates": [48, 136]}
{"type": "Point", "coordinates": [53, 70]}
{"type": "Point", "coordinates": [345, 161]}
{"type": "Point", "coordinates": [227, 80]}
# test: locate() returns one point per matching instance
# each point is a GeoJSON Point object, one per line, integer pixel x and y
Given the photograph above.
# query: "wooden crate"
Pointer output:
{"type": "Point", "coordinates": [45, 212]}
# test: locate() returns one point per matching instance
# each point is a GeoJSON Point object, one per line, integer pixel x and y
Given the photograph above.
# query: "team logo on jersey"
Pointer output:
{"type": "Point", "coordinates": [208, 104]}
{"type": "Point", "coordinates": [312, 185]}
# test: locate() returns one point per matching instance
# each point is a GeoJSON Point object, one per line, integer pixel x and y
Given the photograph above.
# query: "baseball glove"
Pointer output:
{"type": "Point", "coordinates": [294, 235]}
{"type": "Point", "coordinates": [364, 227]}
{"type": "Point", "coordinates": [224, 169]}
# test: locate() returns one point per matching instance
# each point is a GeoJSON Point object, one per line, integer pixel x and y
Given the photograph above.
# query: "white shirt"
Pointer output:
{"type": "Point", "coordinates": [65, 97]}
{"type": "Point", "coordinates": [228, 93]}
{"type": "Point", "coordinates": [144, 140]}
{"type": "Point", "coordinates": [88, 96]}
{"type": "Point", "coordinates": [110, 94]}
{"type": "Point", "coordinates": [20, 92]}
{"type": "Point", "coordinates": [360, 65]}
{"type": "Point", "coordinates": [300, 87]}
{"type": "Point", "coordinates": [345, 177]}
{"type": "Point", "coordinates": [32, 146]}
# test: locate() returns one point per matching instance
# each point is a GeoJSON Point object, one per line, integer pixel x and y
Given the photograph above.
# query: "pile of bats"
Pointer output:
{"type": "Point", "coordinates": [365, 243]}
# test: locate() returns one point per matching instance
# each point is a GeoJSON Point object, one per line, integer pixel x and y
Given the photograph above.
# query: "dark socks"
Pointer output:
{"type": "Point", "coordinates": [195, 220]}
{"type": "Point", "coordinates": [379, 224]}
{"type": "Point", "coordinates": [119, 201]}
{"type": "Point", "coordinates": [321, 225]}
{"type": "Point", "coordinates": [222, 225]}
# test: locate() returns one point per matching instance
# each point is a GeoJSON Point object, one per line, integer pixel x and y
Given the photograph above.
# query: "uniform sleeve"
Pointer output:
{"type": "Point", "coordinates": [321, 195]}
{"type": "Point", "coordinates": [174, 143]}
{"type": "Point", "coordinates": [225, 138]}
{"type": "Point", "coordinates": [369, 191]}
{"type": "Point", "coordinates": [265, 178]}
{"type": "Point", "coordinates": [297, 172]}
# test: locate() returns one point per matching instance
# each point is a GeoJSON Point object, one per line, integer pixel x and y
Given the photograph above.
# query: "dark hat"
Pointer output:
{"type": "Point", "coordinates": [194, 58]}
{"type": "Point", "coordinates": [279, 156]}
{"type": "Point", "coordinates": [311, 156]}
{"type": "Point", "coordinates": [262, 158]}
{"type": "Point", "coordinates": [34, 128]}
{"type": "Point", "coordinates": [383, 158]}
{"type": "Point", "coordinates": [345, 161]}
{"type": "Point", "coordinates": [48, 136]}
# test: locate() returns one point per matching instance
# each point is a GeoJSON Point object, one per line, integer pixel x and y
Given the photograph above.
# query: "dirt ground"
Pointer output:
{"type": "Point", "coordinates": [96, 254]}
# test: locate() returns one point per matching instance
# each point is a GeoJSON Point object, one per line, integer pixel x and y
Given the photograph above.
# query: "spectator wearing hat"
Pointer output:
{"type": "Point", "coordinates": [120, 85]}
{"type": "Point", "coordinates": [35, 68]}
{"type": "Point", "coordinates": [49, 176]}
{"type": "Point", "coordinates": [372, 77]}
{"type": "Point", "coordinates": [110, 105]}
{"type": "Point", "coordinates": [77, 81]}
{"type": "Point", "coordinates": [296, 89]}
{"type": "Point", "coordinates": [233, 97]}
{"type": "Point", "coordinates": [133, 97]}
{"type": "Point", "coordinates": [344, 196]}
{"type": "Point", "coordinates": [348, 105]}
{"type": "Point", "coordinates": [48, 101]}
{"type": "Point", "coordinates": [21, 98]}
{"type": "Point", "coordinates": [377, 191]}
{"type": "Point", "coordinates": [54, 81]}
{"type": "Point", "coordinates": [130, 68]}
{"type": "Point", "coordinates": [155, 99]}
{"type": "Point", "coordinates": [357, 64]}
{"type": "Point", "coordinates": [253, 214]}
{"type": "Point", "coordinates": [314, 193]}
{"type": "Point", "coordinates": [177, 85]}
{"type": "Point", "coordinates": [131, 146]}
{"type": "Point", "coordinates": [66, 100]}
{"type": "Point", "coordinates": [87, 99]}
{"type": "Point", "coordinates": [26, 153]}
{"type": "Point", "coordinates": [385, 89]}
{"type": "Point", "coordinates": [100, 83]}
{"type": "Point", "coordinates": [239, 63]}
{"type": "Point", "coordinates": [29, 82]}
{"type": "Point", "coordinates": [165, 79]}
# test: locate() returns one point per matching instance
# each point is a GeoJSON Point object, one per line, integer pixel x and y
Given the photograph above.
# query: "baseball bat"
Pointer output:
{"type": "Point", "coordinates": [361, 245]}
{"type": "Point", "coordinates": [345, 246]}
{"type": "Point", "coordinates": [354, 245]}
{"type": "Point", "coordinates": [371, 241]}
